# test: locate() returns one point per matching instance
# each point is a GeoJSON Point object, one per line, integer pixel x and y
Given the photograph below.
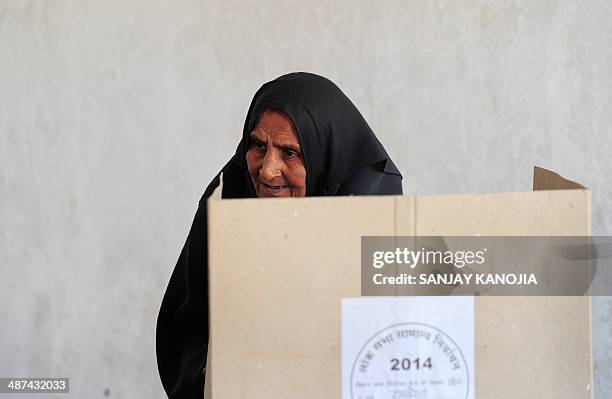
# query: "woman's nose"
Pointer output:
{"type": "Point", "coordinates": [271, 166]}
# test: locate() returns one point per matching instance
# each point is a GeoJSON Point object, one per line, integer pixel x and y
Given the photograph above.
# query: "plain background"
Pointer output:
{"type": "Point", "coordinates": [115, 115]}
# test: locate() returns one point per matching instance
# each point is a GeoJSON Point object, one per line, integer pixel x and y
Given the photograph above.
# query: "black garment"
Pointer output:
{"type": "Point", "coordinates": [342, 157]}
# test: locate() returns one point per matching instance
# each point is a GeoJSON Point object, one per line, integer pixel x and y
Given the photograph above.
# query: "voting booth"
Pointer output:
{"type": "Point", "coordinates": [287, 320]}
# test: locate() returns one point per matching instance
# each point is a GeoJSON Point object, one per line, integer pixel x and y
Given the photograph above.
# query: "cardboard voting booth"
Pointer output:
{"type": "Point", "coordinates": [279, 274]}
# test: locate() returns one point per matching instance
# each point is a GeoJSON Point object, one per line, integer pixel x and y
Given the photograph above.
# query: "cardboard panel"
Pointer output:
{"type": "Point", "coordinates": [526, 347]}
{"type": "Point", "coordinates": [279, 268]}
{"type": "Point", "coordinates": [559, 212]}
{"type": "Point", "coordinates": [533, 347]}
{"type": "Point", "coordinates": [544, 179]}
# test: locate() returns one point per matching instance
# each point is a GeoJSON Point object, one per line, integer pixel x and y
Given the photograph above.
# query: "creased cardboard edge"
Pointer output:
{"type": "Point", "coordinates": [207, 379]}
{"type": "Point", "coordinates": [544, 179]}
{"type": "Point", "coordinates": [215, 196]}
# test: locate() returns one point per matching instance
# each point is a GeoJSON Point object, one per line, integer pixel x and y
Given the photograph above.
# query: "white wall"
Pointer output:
{"type": "Point", "coordinates": [114, 115]}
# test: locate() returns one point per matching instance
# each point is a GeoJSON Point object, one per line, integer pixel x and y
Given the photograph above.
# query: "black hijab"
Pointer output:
{"type": "Point", "coordinates": [342, 157]}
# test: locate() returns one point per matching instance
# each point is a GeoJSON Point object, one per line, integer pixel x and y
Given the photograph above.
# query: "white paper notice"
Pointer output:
{"type": "Point", "coordinates": [408, 348]}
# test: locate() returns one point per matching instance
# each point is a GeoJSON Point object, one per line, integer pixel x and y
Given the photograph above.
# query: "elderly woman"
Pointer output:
{"type": "Point", "coordinates": [302, 137]}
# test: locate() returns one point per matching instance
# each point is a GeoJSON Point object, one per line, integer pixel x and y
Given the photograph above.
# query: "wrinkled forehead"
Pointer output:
{"type": "Point", "coordinates": [276, 124]}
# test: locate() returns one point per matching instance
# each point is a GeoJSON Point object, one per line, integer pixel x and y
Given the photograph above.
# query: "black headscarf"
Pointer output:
{"type": "Point", "coordinates": [342, 157]}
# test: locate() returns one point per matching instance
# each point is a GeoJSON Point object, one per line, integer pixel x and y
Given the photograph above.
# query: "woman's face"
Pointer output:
{"type": "Point", "coordinates": [275, 159]}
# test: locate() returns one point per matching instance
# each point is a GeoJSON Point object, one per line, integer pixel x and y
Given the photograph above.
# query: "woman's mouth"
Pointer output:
{"type": "Point", "coordinates": [274, 190]}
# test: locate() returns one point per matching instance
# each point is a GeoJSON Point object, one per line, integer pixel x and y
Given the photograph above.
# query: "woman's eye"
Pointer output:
{"type": "Point", "coordinates": [289, 153]}
{"type": "Point", "coordinates": [258, 145]}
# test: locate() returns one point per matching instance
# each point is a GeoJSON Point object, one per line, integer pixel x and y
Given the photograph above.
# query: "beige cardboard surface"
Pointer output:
{"type": "Point", "coordinates": [279, 268]}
